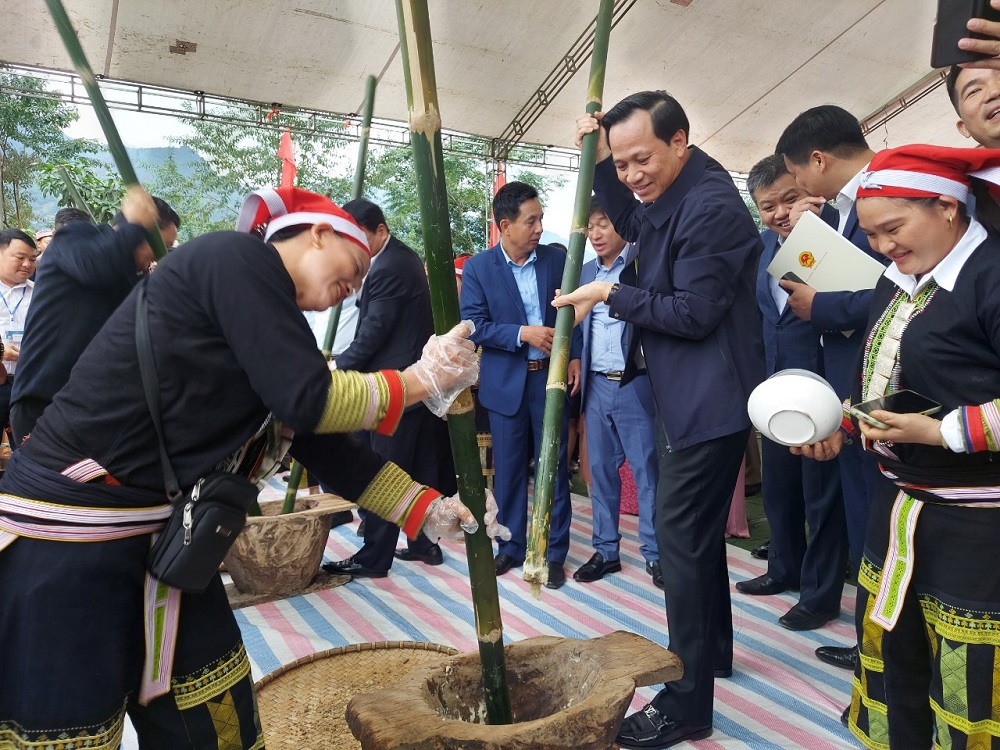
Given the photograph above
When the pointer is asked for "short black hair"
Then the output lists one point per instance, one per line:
(951, 85)
(9, 235)
(65, 215)
(366, 213)
(765, 173)
(595, 207)
(667, 114)
(166, 214)
(507, 202)
(826, 128)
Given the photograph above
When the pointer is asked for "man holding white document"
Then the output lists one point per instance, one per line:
(826, 151)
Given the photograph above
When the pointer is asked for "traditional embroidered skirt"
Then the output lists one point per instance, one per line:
(72, 649)
(935, 677)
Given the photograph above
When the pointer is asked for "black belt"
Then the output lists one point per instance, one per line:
(610, 375)
(537, 364)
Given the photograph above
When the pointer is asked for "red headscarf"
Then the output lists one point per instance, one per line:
(923, 171)
(268, 210)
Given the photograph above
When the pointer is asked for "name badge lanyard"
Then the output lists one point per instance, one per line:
(24, 291)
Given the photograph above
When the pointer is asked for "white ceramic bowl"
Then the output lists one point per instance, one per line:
(795, 407)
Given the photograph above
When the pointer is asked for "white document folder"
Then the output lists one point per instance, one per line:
(819, 256)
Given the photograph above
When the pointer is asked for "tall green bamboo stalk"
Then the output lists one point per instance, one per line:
(357, 190)
(425, 140)
(74, 194)
(536, 569)
(115, 145)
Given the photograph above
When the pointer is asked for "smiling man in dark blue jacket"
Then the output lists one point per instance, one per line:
(692, 302)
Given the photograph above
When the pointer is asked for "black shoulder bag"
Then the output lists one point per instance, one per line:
(207, 519)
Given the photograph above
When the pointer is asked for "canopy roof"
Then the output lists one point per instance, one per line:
(742, 69)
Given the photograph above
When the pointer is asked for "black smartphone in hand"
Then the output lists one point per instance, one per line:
(950, 26)
(900, 402)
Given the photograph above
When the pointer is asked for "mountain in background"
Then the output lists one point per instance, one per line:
(146, 162)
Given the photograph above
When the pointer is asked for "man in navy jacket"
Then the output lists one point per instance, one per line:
(798, 491)
(692, 302)
(507, 292)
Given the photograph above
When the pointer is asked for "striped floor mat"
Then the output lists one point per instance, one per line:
(780, 695)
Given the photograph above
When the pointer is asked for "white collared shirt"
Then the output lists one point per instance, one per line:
(847, 197)
(13, 314)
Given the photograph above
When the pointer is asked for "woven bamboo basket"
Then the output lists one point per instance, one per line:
(302, 704)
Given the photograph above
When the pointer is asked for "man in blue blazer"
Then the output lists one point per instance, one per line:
(825, 150)
(507, 292)
(798, 491)
(620, 416)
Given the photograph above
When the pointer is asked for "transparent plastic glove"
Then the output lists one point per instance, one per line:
(447, 366)
(448, 518)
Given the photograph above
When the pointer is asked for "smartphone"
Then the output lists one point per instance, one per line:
(900, 402)
(950, 26)
(791, 276)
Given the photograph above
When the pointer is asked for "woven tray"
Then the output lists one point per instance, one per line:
(302, 704)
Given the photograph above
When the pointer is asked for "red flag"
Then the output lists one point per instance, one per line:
(499, 181)
(287, 155)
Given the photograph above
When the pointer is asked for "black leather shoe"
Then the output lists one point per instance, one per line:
(340, 518)
(351, 567)
(650, 728)
(653, 568)
(837, 656)
(723, 674)
(361, 528)
(802, 618)
(845, 718)
(596, 568)
(760, 586)
(557, 576)
(432, 556)
(503, 563)
(760, 553)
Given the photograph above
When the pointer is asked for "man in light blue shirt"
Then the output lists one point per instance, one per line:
(619, 416)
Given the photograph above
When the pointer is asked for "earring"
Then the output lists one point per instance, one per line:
(951, 221)
(317, 246)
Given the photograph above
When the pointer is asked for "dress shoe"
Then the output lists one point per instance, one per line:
(502, 563)
(361, 528)
(845, 718)
(596, 568)
(351, 567)
(653, 568)
(723, 674)
(760, 553)
(803, 618)
(760, 586)
(340, 518)
(432, 556)
(557, 576)
(650, 728)
(837, 656)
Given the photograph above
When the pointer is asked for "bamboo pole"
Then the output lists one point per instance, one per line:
(425, 140)
(74, 194)
(115, 145)
(536, 569)
(357, 190)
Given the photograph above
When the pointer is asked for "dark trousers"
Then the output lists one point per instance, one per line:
(692, 503)
(799, 491)
(5, 389)
(420, 446)
(859, 478)
(512, 436)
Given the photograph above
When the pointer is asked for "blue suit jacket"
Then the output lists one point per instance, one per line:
(587, 274)
(490, 300)
(833, 312)
(789, 341)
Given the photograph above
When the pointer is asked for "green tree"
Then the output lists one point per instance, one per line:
(240, 157)
(30, 135)
(100, 189)
(391, 182)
